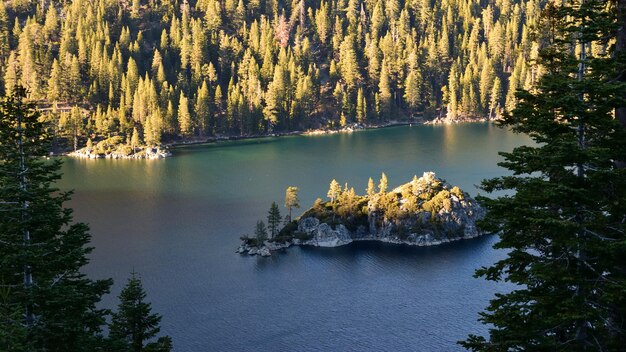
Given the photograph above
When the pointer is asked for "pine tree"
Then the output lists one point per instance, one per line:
(4, 33)
(42, 250)
(134, 324)
(361, 107)
(564, 222)
(11, 74)
(184, 116)
(452, 91)
(495, 98)
(202, 108)
(371, 189)
(273, 220)
(334, 190)
(382, 185)
(260, 232)
(291, 199)
(134, 140)
(54, 83)
(75, 84)
(412, 89)
(348, 63)
(384, 88)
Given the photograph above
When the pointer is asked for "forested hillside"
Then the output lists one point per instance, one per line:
(146, 72)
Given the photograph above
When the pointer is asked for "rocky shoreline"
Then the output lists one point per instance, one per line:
(269, 247)
(427, 212)
(163, 151)
(142, 153)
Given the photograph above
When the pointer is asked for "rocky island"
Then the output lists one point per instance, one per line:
(115, 148)
(423, 212)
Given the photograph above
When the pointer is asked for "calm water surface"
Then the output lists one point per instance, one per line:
(177, 222)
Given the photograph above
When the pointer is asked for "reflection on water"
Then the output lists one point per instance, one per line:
(177, 221)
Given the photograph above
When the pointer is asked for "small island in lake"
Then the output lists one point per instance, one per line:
(423, 212)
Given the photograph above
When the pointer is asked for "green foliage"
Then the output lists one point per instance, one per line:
(563, 225)
(209, 68)
(404, 208)
(382, 185)
(291, 199)
(108, 145)
(440, 201)
(334, 191)
(260, 232)
(287, 232)
(457, 192)
(134, 324)
(273, 220)
(46, 302)
(250, 241)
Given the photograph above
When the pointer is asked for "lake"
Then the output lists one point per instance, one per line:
(177, 222)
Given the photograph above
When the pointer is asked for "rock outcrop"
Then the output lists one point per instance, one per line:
(139, 153)
(424, 212)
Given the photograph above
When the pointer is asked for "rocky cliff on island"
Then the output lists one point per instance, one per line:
(423, 212)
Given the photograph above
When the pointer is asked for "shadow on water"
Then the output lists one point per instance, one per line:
(384, 253)
(382, 249)
(227, 144)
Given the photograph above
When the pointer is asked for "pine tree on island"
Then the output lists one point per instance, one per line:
(260, 233)
(291, 200)
(273, 220)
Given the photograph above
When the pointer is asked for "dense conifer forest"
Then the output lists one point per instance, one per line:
(146, 72)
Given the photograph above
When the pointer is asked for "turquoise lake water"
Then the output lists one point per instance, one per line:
(178, 221)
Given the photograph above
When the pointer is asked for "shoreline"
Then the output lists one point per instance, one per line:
(316, 132)
(321, 131)
(270, 247)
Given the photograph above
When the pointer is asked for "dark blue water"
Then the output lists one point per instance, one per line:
(177, 222)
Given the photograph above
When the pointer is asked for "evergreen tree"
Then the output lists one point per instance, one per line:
(334, 190)
(260, 232)
(184, 116)
(202, 108)
(134, 140)
(361, 107)
(564, 223)
(382, 185)
(4, 32)
(371, 189)
(134, 324)
(291, 199)
(273, 220)
(47, 302)
(412, 89)
(385, 91)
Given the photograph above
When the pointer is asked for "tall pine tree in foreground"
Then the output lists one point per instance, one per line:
(564, 224)
(46, 303)
(134, 324)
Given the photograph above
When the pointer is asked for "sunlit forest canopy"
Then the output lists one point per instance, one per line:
(163, 70)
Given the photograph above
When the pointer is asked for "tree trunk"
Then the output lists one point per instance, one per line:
(620, 51)
(28, 276)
